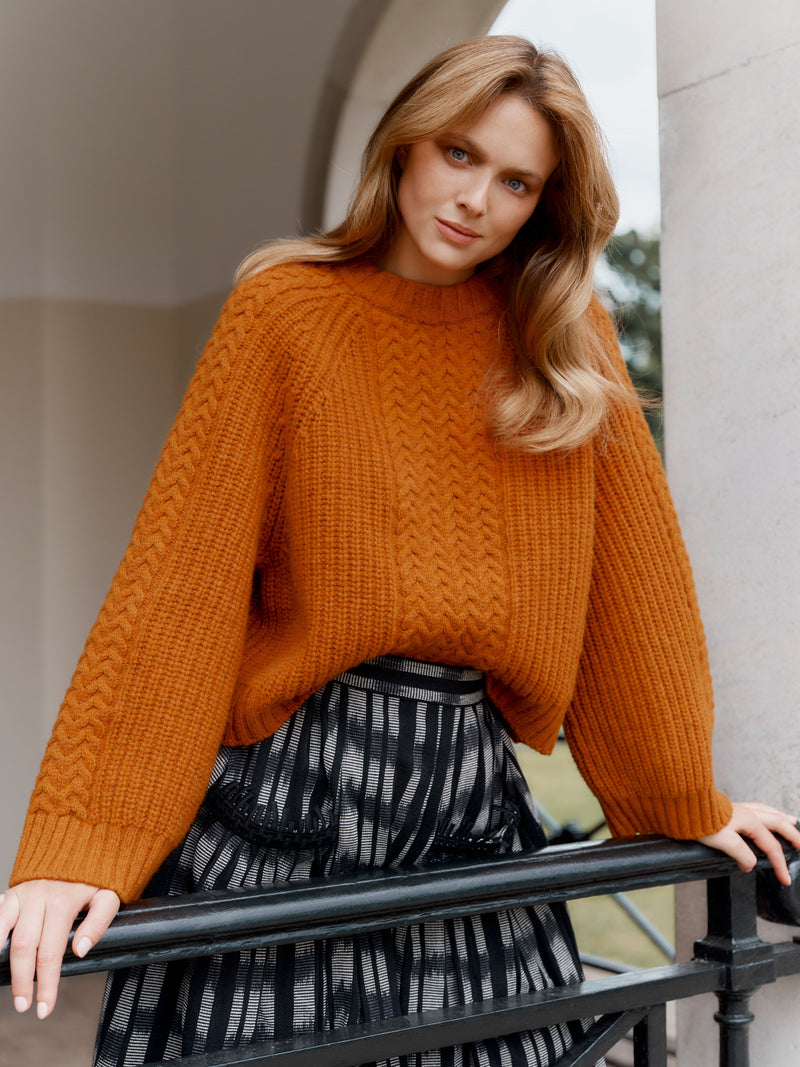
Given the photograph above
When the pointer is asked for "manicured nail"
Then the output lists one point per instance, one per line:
(20, 1004)
(83, 946)
(41, 1009)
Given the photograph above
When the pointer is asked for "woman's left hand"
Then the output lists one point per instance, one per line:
(760, 823)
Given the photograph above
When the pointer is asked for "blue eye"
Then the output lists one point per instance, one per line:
(515, 185)
(458, 154)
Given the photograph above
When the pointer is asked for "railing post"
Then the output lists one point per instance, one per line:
(734, 1018)
(650, 1039)
(733, 940)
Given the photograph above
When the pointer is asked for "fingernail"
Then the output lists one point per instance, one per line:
(41, 1009)
(83, 946)
(20, 1004)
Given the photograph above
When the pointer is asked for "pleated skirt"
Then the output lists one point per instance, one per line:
(394, 763)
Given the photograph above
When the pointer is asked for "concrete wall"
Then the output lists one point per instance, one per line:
(729, 82)
(147, 147)
(21, 537)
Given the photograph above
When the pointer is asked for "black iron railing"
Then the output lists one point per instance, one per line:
(731, 960)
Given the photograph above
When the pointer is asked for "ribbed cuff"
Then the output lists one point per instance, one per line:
(688, 817)
(122, 858)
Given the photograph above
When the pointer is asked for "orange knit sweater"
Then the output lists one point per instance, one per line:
(329, 493)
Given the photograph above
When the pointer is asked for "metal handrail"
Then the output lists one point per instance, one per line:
(730, 960)
(226, 920)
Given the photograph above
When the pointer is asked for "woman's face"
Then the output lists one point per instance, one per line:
(463, 196)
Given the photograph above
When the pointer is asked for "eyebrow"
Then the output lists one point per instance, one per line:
(476, 150)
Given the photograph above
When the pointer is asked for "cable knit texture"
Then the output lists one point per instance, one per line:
(329, 493)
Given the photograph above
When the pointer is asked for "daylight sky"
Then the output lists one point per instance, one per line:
(610, 45)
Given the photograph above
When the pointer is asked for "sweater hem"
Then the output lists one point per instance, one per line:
(686, 817)
(109, 856)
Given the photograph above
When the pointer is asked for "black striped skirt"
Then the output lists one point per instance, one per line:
(396, 762)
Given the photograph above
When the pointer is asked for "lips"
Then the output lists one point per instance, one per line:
(455, 232)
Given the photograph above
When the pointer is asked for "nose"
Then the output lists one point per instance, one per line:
(474, 196)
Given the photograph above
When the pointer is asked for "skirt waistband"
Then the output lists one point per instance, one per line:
(416, 679)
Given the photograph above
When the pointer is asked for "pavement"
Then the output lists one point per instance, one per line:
(65, 1039)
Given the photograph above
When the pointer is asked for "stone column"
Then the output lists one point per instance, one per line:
(729, 84)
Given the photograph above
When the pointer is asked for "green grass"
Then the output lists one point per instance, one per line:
(601, 926)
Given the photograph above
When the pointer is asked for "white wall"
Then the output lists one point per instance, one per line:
(87, 191)
(21, 536)
(148, 146)
(248, 83)
(729, 81)
(152, 144)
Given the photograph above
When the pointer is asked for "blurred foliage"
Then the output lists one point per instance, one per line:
(630, 276)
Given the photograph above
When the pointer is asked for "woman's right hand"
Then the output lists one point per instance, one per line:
(41, 913)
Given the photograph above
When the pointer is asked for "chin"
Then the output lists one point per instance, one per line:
(450, 272)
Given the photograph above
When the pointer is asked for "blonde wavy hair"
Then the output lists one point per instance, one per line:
(563, 383)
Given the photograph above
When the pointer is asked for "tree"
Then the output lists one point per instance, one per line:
(629, 275)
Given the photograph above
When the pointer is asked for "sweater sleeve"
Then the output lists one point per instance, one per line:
(136, 737)
(640, 722)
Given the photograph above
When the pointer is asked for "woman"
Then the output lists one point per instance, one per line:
(409, 508)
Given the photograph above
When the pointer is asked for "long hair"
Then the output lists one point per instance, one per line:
(562, 383)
